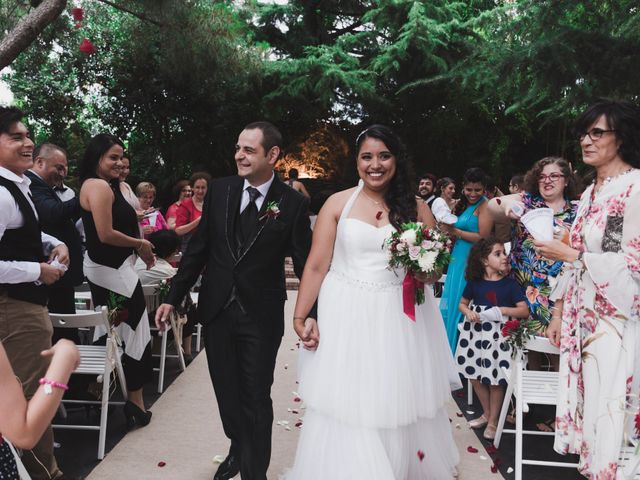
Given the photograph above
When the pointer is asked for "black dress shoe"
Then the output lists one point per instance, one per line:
(228, 469)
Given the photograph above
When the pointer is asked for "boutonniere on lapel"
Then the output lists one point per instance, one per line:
(272, 211)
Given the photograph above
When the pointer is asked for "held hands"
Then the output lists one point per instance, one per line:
(162, 316)
(65, 353)
(307, 331)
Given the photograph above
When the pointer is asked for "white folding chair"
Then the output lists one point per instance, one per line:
(153, 302)
(529, 387)
(96, 360)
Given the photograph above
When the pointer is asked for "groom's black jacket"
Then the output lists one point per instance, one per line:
(257, 271)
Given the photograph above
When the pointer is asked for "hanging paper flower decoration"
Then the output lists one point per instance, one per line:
(78, 14)
(87, 47)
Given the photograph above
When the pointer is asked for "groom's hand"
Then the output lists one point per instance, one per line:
(308, 332)
(162, 316)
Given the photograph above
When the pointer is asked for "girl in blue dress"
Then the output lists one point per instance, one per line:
(488, 299)
(474, 223)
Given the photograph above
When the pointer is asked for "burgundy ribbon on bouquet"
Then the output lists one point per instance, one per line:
(409, 287)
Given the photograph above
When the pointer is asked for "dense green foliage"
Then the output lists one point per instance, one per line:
(473, 82)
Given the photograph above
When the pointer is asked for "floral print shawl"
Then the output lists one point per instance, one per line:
(599, 373)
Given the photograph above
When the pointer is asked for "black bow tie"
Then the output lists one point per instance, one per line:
(60, 189)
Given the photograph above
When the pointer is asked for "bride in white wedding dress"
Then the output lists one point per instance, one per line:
(376, 386)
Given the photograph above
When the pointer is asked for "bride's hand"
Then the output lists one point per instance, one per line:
(428, 278)
(307, 331)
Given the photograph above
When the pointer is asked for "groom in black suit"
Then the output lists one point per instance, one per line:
(250, 223)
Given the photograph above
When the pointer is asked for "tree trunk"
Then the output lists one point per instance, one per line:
(28, 29)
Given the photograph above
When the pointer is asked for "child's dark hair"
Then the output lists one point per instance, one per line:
(479, 252)
(165, 242)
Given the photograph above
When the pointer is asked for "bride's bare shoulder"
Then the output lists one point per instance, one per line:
(336, 202)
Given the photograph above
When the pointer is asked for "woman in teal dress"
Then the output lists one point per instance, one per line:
(474, 223)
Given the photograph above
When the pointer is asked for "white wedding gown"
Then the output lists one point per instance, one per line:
(376, 388)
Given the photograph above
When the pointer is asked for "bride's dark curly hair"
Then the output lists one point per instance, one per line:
(399, 198)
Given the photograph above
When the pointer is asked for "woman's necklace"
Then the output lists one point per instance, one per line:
(610, 178)
(378, 204)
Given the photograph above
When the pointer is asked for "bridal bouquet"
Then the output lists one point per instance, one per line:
(419, 250)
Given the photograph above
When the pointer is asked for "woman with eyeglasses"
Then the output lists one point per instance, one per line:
(550, 183)
(596, 321)
(182, 190)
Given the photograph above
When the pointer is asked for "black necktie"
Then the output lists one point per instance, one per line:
(249, 216)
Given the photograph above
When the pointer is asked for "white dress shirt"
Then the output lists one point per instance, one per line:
(263, 189)
(64, 193)
(442, 212)
(11, 218)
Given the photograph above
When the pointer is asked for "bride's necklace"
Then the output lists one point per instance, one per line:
(378, 204)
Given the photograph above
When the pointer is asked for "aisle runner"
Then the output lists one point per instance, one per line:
(185, 433)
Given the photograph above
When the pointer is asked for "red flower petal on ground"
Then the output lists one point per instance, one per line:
(471, 449)
(638, 423)
(459, 414)
(491, 449)
(161, 464)
(78, 14)
(494, 468)
(87, 47)
(297, 399)
(420, 455)
(298, 424)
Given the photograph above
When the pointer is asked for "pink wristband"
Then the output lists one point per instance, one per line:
(50, 384)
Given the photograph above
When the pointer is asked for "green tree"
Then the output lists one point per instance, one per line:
(177, 83)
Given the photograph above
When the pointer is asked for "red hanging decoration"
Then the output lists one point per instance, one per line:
(78, 14)
(87, 47)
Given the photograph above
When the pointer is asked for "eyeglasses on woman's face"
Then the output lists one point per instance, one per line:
(552, 177)
(595, 134)
(188, 191)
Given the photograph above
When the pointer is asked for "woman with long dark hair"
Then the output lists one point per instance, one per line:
(473, 224)
(113, 243)
(377, 384)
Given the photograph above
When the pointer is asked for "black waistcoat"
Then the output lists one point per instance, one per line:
(23, 244)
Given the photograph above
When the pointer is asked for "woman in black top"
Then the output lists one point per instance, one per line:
(112, 234)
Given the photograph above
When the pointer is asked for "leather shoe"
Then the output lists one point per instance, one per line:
(228, 469)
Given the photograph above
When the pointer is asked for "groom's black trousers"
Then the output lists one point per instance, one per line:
(241, 352)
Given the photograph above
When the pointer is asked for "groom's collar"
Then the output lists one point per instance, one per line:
(263, 189)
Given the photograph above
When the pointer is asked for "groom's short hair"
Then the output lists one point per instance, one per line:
(271, 136)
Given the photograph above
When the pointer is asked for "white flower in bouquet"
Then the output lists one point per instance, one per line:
(409, 236)
(428, 260)
(401, 247)
(414, 252)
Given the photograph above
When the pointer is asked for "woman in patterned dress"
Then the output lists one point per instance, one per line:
(595, 321)
(550, 183)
